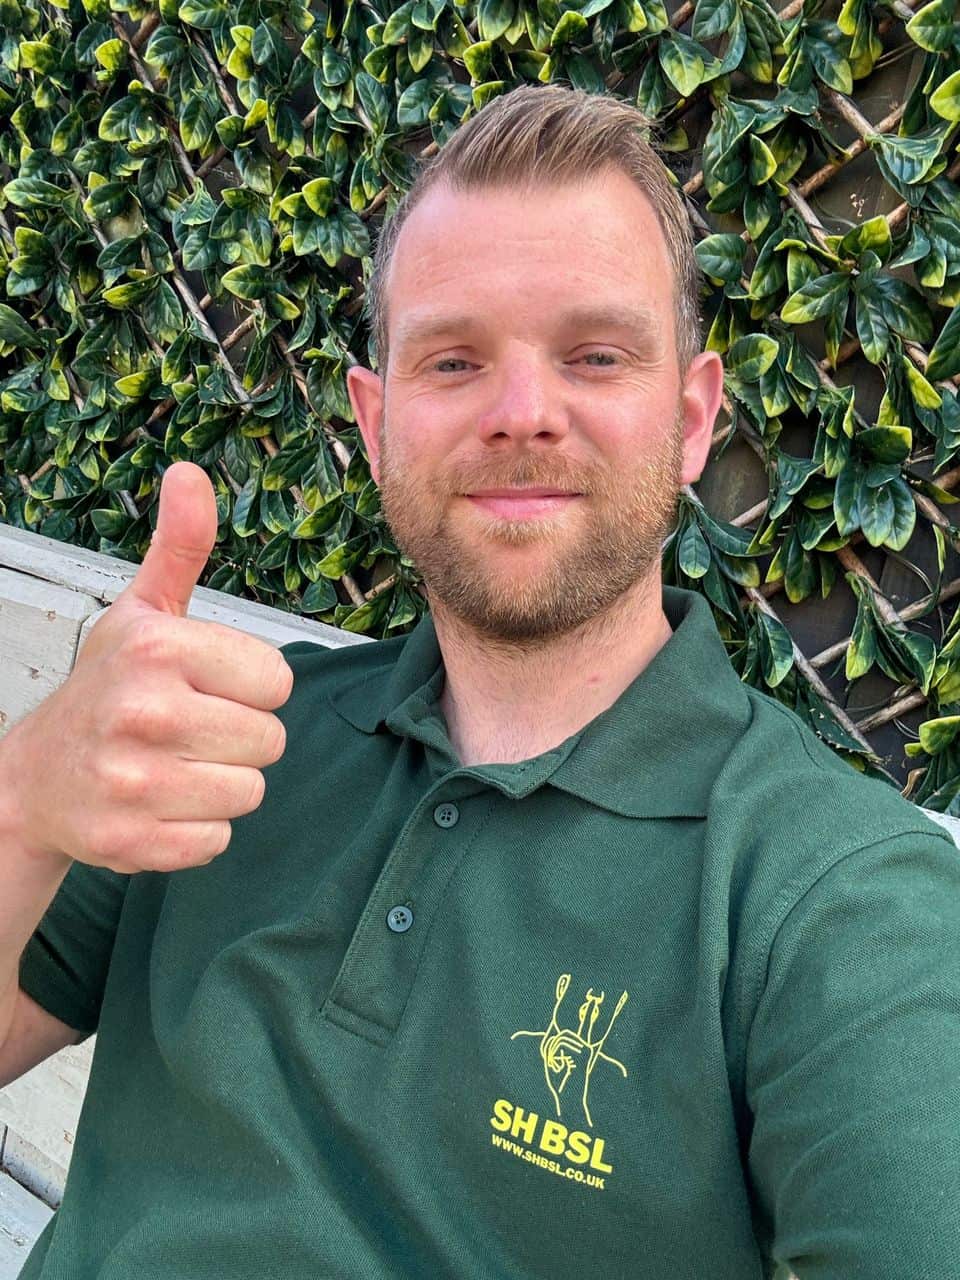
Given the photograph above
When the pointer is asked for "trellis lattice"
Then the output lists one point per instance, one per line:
(188, 197)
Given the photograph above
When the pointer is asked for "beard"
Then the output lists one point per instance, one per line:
(588, 557)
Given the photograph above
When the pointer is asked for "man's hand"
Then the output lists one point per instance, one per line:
(156, 739)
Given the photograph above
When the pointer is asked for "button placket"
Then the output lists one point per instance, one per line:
(373, 985)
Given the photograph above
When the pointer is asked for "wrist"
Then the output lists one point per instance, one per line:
(15, 834)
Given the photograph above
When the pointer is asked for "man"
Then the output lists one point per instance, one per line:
(550, 948)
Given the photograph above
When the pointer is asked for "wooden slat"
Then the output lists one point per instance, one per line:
(41, 1110)
(104, 577)
(39, 630)
(22, 1218)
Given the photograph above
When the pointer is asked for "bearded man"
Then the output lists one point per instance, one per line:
(551, 949)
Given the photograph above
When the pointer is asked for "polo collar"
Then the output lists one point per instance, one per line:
(654, 753)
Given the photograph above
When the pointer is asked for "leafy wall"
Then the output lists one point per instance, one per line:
(187, 202)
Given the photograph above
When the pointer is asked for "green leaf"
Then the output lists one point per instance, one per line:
(799, 569)
(319, 597)
(924, 395)
(721, 256)
(369, 615)
(682, 61)
(862, 648)
(886, 444)
(945, 99)
(846, 500)
(873, 234)
(131, 294)
(204, 14)
(909, 159)
(413, 105)
(494, 17)
(933, 27)
(248, 281)
(28, 193)
(196, 123)
(14, 330)
(763, 163)
(344, 557)
(904, 514)
(776, 649)
(693, 553)
(871, 326)
(373, 99)
(319, 195)
(876, 514)
(944, 359)
(816, 298)
(936, 735)
(752, 355)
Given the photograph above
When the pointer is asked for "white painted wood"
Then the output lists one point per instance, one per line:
(42, 1108)
(951, 825)
(39, 629)
(39, 1174)
(22, 1218)
(104, 577)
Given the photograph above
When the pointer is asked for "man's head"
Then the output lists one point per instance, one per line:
(535, 305)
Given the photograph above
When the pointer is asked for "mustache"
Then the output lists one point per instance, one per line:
(526, 472)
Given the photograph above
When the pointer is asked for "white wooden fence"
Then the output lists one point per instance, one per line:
(51, 594)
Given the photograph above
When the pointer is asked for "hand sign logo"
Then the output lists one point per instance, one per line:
(564, 1050)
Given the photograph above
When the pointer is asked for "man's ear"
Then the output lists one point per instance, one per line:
(701, 395)
(365, 389)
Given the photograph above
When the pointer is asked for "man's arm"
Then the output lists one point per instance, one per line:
(853, 1070)
(32, 1037)
(29, 880)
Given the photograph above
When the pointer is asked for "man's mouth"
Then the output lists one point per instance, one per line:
(522, 503)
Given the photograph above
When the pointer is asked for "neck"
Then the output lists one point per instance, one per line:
(504, 702)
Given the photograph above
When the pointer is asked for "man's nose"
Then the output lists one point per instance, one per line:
(527, 404)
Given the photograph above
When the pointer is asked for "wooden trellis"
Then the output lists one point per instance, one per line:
(876, 732)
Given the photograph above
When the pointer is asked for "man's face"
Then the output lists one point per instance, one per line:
(532, 353)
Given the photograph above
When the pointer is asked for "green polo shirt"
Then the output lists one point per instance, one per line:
(676, 1000)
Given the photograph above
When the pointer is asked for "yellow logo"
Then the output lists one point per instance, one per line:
(563, 1049)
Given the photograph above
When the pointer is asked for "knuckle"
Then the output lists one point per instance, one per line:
(122, 780)
(149, 642)
(138, 716)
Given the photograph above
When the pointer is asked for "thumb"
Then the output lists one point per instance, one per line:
(182, 541)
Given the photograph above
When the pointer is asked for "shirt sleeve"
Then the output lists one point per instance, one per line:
(64, 964)
(853, 1070)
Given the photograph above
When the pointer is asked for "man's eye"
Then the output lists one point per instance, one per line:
(606, 356)
(448, 360)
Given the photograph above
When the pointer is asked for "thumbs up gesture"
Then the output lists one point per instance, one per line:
(157, 738)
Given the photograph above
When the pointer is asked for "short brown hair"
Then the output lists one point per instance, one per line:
(536, 136)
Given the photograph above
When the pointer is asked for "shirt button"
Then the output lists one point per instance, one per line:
(446, 815)
(399, 919)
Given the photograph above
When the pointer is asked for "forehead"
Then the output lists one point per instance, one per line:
(507, 252)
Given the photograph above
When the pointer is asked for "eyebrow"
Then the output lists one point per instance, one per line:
(639, 321)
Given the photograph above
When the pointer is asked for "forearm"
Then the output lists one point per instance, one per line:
(29, 879)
